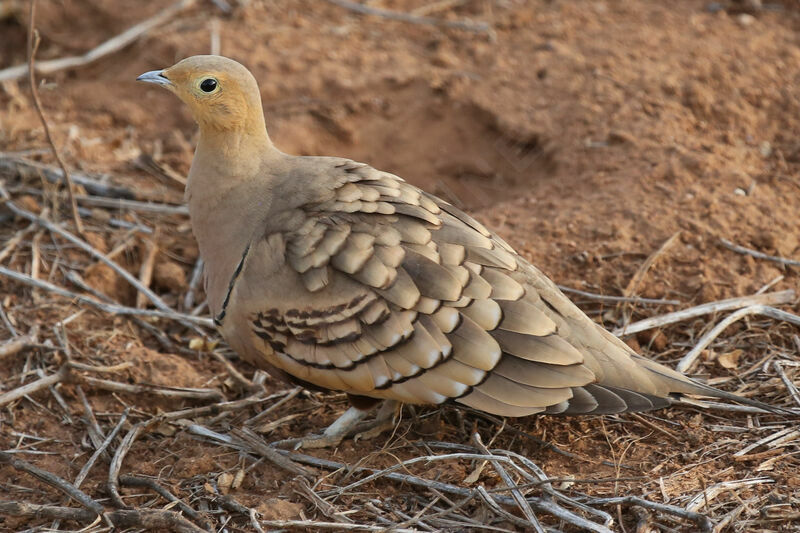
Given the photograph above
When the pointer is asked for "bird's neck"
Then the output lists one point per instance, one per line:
(236, 151)
(227, 194)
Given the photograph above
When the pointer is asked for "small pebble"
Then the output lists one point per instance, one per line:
(745, 19)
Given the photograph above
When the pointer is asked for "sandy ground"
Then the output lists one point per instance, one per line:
(587, 134)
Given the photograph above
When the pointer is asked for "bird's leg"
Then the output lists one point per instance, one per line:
(348, 424)
(333, 434)
(384, 420)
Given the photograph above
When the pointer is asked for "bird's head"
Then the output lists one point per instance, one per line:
(221, 93)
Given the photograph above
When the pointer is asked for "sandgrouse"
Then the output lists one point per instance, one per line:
(337, 275)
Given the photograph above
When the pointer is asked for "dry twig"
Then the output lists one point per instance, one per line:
(114, 309)
(197, 275)
(95, 433)
(17, 344)
(134, 481)
(110, 46)
(34, 386)
(702, 521)
(515, 492)
(786, 381)
(133, 205)
(213, 395)
(235, 374)
(33, 45)
(94, 184)
(215, 409)
(51, 512)
(434, 7)
(704, 498)
(636, 280)
(13, 242)
(53, 480)
(617, 299)
(100, 450)
(477, 27)
(539, 504)
(156, 332)
(148, 264)
(770, 298)
(116, 464)
(689, 359)
(758, 255)
(153, 297)
(288, 396)
(150, 519)
(249, 440)
(310, 525)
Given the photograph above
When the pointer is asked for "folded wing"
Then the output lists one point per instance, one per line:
(382, 290)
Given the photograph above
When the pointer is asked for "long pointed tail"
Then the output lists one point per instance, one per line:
(681, 384)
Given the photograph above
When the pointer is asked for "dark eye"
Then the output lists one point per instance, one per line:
(208, 85)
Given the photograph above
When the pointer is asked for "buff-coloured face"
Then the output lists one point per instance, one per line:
(214, 88)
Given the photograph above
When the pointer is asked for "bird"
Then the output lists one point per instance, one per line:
(335, 275)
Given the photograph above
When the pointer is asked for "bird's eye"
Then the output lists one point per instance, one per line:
(208, 85)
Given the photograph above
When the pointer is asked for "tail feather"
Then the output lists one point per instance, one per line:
(680, 385)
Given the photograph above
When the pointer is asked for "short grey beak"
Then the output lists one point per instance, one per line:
(155, 76)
